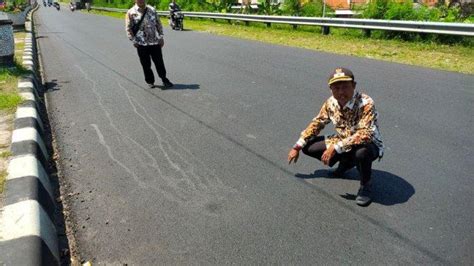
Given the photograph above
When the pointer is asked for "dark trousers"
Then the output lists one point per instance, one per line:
(360, 156)
(148, 53)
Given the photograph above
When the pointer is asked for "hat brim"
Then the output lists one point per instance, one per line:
(343, 78)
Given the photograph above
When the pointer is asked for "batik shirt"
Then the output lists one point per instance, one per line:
(355, 124)
(150, 31)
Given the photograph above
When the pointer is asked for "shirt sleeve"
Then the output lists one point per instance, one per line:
(364, 130)
(128, 27)
(315, 126)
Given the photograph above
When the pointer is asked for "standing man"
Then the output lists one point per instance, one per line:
(144, 29)
(357, 142)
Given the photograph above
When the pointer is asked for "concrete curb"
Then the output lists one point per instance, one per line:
(27, 225)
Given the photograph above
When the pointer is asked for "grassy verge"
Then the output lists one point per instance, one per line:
(106, 13)
(9, 97)
(5, 154)
(3, 176)
(455, 57)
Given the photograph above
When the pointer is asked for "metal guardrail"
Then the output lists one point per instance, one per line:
(462, 29)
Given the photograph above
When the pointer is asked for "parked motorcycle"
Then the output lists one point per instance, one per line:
(72, 6)
(56, 5)
(176, 20)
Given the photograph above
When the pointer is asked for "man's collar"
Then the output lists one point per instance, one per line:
(349, 104)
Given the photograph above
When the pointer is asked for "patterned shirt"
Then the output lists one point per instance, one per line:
(150, 31)
(355, 123)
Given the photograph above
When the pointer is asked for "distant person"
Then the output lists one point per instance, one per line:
(357, 141)
(88, 5)
(173, 8)
(144, 29)
(72, 6)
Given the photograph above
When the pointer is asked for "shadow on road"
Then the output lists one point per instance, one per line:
(186, 30)
(52, 32)
(388, 189)
(52, 85)
(182, 87)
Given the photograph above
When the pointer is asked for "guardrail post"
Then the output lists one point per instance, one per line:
(325, 30)
(7, 42)
(247, 23)
(230, 21)
(424, 36)
(294, 26)
(269, 24)
(367, 33)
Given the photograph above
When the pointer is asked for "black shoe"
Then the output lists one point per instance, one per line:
(167, 83)
(364, 196)
(151, 85)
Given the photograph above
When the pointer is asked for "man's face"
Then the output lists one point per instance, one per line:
(343, 91)
(140, 3)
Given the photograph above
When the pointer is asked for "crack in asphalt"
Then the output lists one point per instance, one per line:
(181, 189)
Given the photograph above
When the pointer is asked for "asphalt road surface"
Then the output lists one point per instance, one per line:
(198, 174)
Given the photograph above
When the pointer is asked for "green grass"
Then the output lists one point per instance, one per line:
(5, 154)
(106, 13)
(9, 77)
(9, 101)
(455, 57)
(9, 97)
(3, 176)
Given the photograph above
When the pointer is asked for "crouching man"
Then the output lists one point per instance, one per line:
(357, 142)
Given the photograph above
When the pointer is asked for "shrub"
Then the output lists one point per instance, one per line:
(220, 5)
(313, 8)
(292, 7)
(15, 6)
(406, 10)
(266, 7)
(376, 9)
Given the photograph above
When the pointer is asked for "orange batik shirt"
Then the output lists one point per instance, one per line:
(355, 124)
